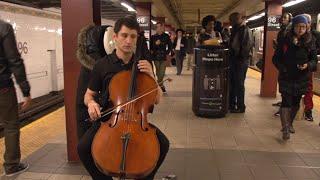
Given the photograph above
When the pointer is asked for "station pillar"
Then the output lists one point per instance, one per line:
(75, 15)
(144, 17)
(269, 78)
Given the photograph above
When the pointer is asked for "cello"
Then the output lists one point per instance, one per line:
(126, 146)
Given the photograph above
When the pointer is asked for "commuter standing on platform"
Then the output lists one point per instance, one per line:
(11, 63)
(179, 45)
(208, 30)
(295, 57)
(308, 101)
(240, 46)
(284, 28)
(160, 47)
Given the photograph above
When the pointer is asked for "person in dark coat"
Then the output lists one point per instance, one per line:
(308, 101)
(11, 63)
(241, 43)
(90, 49)
(179, 46)
(284, 28)
(160, 48)
(295, 57)
(191, 43)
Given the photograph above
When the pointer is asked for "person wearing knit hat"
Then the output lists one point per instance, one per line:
(300, 19)
(308, 101)
(295, 57)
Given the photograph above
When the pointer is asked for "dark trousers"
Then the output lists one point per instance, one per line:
(179, 61)
(160, 70)
(84, 151)
(290, 101)
(82, 115)
(238, 72)
(11, 127)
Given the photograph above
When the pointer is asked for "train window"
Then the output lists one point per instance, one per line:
(261, 39)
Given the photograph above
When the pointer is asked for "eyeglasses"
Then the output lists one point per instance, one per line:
(300, 27)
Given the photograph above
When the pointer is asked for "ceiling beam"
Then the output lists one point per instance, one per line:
(228, 9)
(172, 11)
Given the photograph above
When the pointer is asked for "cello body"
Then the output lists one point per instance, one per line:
(127, 146)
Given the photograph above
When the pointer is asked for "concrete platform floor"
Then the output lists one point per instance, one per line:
(237, 147)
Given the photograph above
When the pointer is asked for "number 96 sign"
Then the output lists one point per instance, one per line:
(272, 20)
(23, 47)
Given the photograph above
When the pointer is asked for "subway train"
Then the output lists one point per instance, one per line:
(39, 40)
(258, 35)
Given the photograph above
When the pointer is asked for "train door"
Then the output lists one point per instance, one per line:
(54, 70)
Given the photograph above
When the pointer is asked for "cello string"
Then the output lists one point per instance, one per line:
(145, 93)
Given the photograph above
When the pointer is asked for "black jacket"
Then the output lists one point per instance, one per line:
(90, 49)
(191, 44)
(287, 56)
(183, 49)
(241, 43)
(160, 51)
(11, 61)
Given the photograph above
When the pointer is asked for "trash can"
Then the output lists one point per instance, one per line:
(210, 85)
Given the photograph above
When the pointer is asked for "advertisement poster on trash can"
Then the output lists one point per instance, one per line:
(212, 57)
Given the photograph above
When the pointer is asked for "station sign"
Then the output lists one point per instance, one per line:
(274, 22)
(144, 22)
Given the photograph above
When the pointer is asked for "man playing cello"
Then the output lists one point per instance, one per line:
(126, 33)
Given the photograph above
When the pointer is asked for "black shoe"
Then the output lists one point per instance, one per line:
(163, 89)
(16, 169)
(277, 113)
(277, 104)
(240, 110)
(308, 115)
(286, 133)
(170, 177)
(291, 129)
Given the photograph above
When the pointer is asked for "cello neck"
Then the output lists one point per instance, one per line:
(133, 82)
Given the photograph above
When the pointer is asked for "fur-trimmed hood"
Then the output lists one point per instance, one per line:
(84, 59)
(91, 45)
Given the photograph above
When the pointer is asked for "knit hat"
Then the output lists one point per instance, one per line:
(299, 19)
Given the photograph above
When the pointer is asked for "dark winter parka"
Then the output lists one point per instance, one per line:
(288, 55)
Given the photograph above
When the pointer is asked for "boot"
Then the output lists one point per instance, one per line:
(285, 118)
(294, 111)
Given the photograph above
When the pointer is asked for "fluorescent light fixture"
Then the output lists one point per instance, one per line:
(256, 16)
(154, 22)
(291, 3)
(128, 7)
